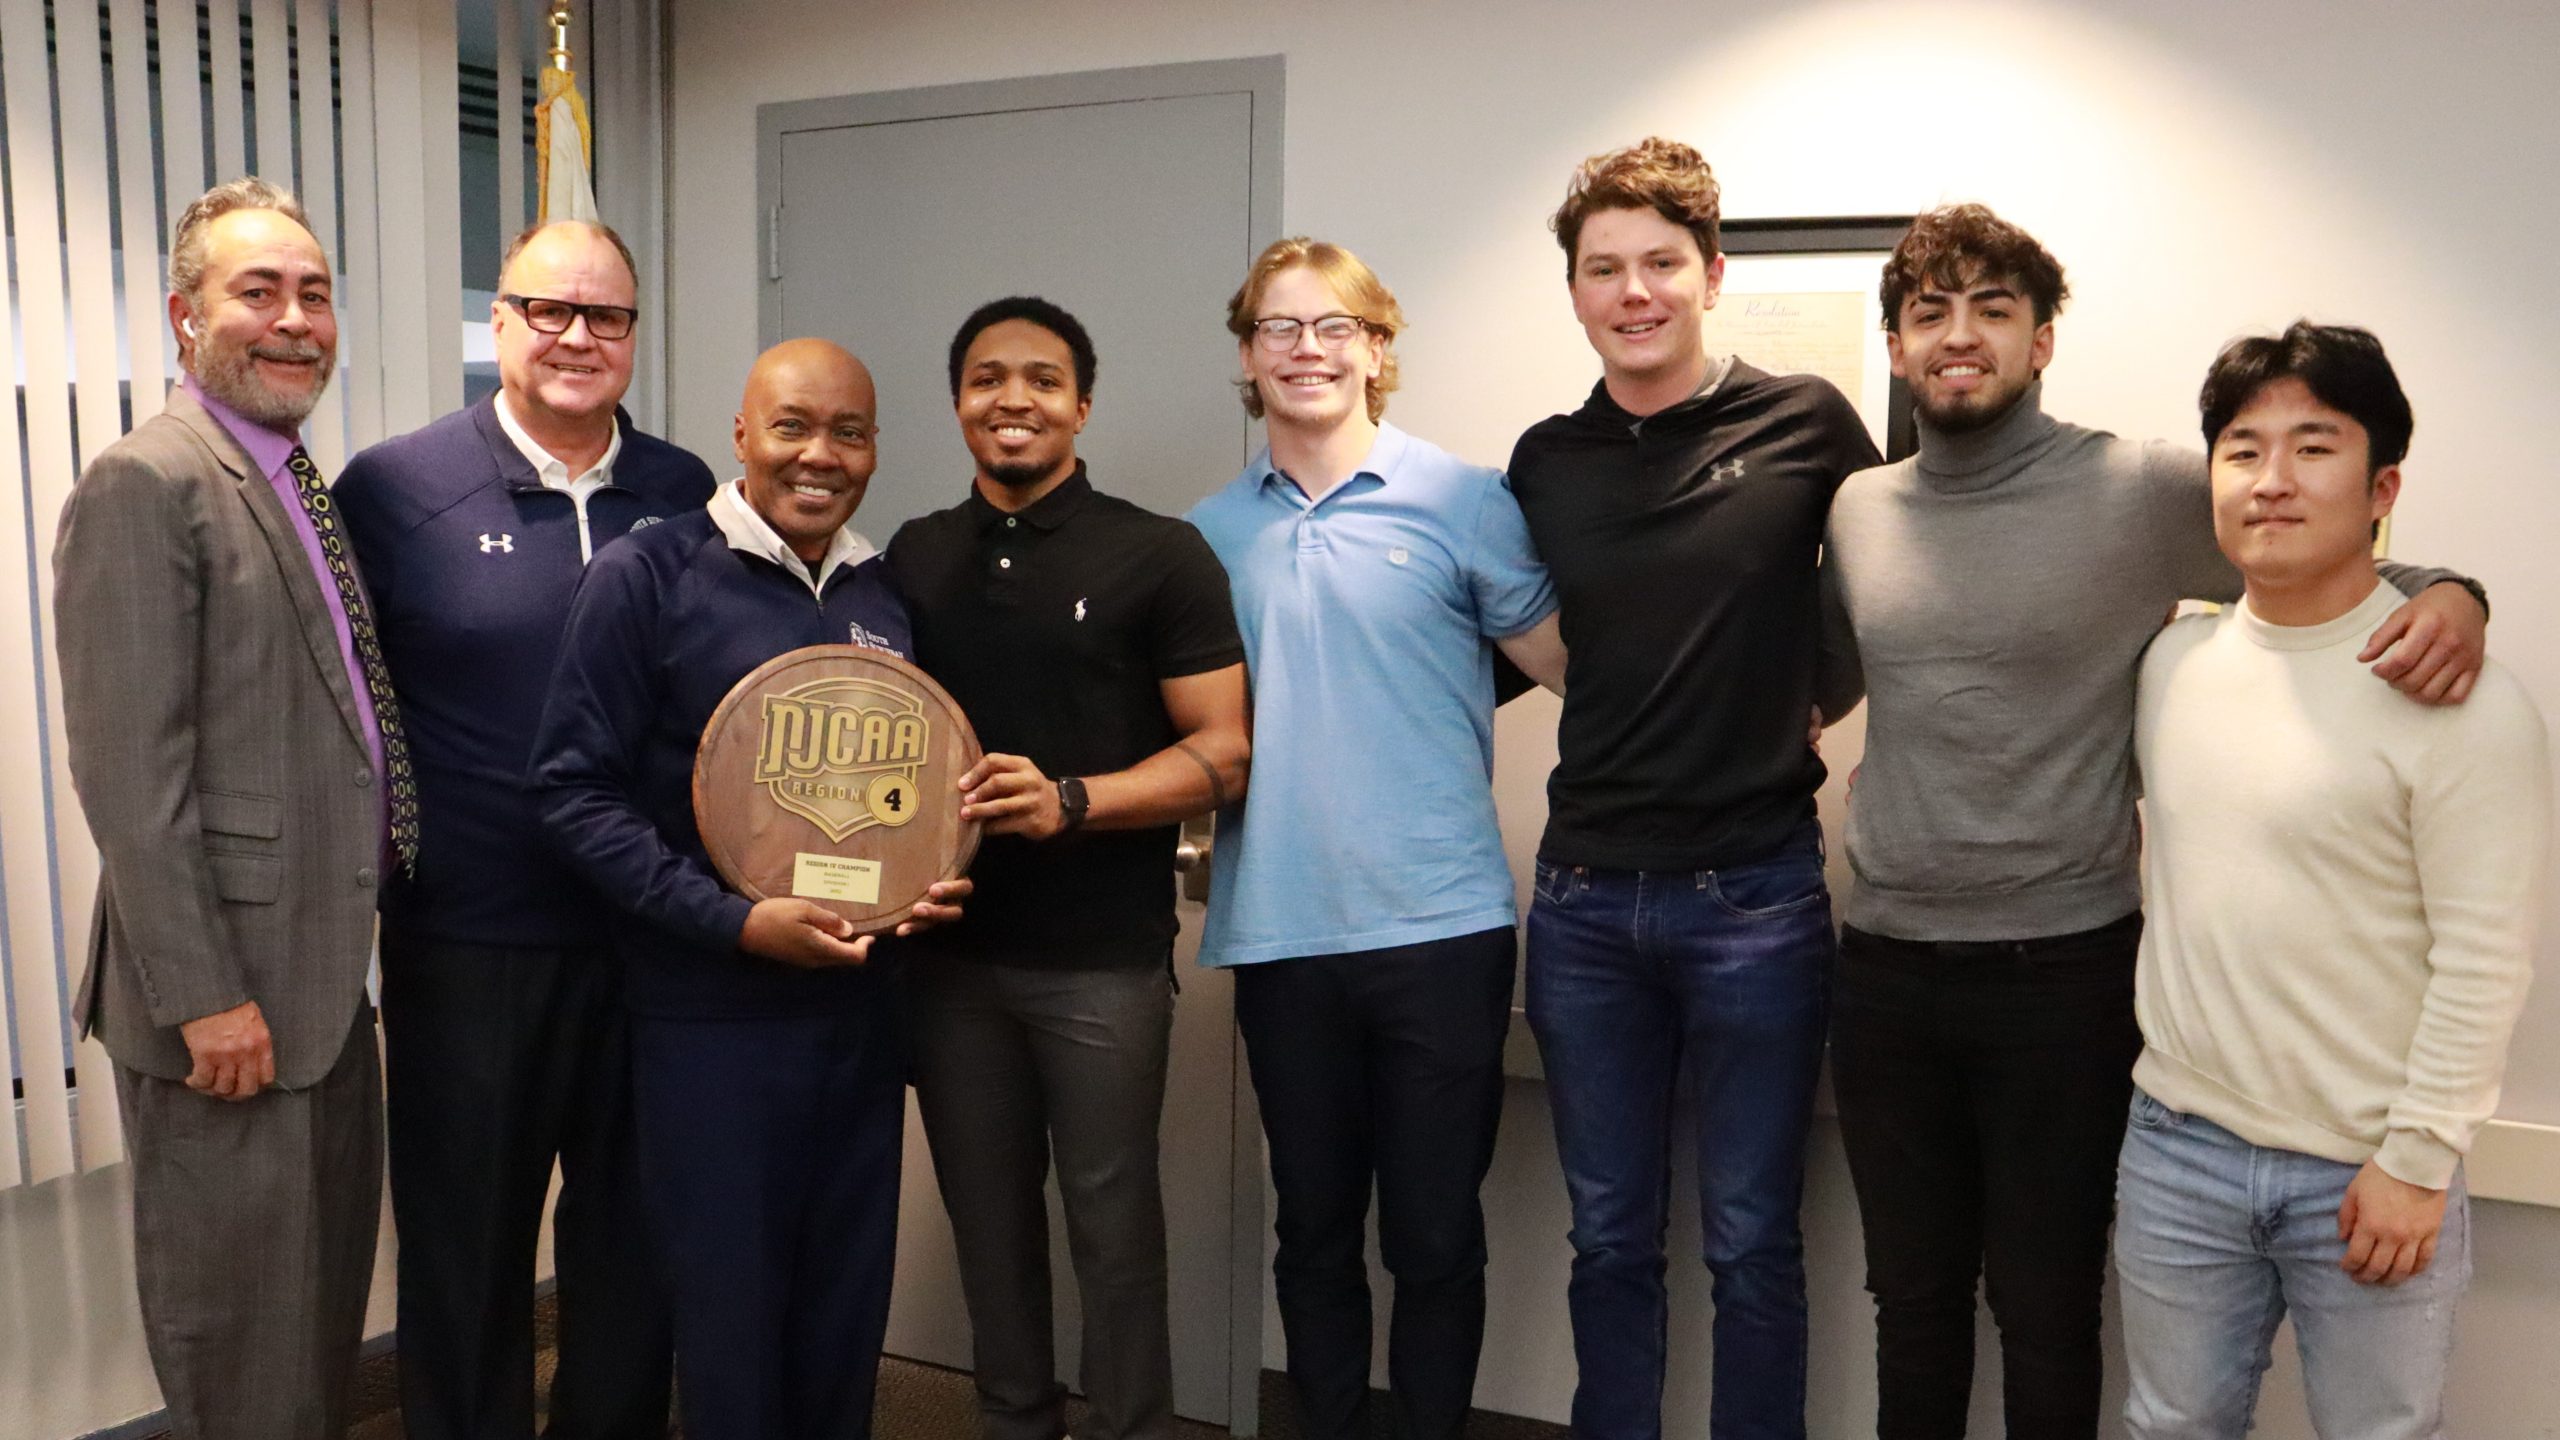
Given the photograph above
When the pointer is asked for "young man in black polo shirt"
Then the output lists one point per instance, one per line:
(1092, 646)
(1681, 921)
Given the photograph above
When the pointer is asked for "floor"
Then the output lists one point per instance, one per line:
(71, 1357)
(72, 1365)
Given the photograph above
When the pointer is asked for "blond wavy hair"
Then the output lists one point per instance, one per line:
(1358, 287)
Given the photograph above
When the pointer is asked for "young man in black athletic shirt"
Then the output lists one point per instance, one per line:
(1681, 920)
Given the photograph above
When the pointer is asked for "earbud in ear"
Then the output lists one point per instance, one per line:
(187, 328)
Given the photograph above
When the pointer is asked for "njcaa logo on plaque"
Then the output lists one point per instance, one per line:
(843, 754)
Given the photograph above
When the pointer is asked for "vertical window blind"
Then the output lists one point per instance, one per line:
(117, 113)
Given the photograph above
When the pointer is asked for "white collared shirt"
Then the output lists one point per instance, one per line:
(554, 474)
(746, 530)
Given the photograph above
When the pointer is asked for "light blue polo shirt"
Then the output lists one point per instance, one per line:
(1367, 618)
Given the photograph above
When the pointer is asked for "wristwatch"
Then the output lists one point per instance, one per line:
(1072, 803)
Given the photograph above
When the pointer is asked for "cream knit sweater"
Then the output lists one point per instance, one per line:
(2342, 887)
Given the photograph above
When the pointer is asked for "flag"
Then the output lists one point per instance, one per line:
(560, 142)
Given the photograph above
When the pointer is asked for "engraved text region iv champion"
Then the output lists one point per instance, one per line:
(830, 774)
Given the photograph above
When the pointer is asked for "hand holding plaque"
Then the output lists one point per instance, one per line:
(829, 774)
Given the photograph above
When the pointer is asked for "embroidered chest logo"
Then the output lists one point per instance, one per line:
(872, 639)
(843, 753)
(490, 543)
(1080, 612)
(1729, 470)
(646, 521)
(1399, 555)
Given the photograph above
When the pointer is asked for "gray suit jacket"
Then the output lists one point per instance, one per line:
(217, 748)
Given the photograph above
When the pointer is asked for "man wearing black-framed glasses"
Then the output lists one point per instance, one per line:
(502, 1008)
(555, 317)
(1374, 574)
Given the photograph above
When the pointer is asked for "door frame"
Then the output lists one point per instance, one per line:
(1260, 79)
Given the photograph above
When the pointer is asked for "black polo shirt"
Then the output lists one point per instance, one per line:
(1054, 628)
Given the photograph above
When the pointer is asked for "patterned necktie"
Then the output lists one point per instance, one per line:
(402, 783)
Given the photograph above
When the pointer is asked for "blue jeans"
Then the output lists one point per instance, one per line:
(1637, 979)
(2218, 1239)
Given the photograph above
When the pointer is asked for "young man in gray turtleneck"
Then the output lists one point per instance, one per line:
(2002, 584)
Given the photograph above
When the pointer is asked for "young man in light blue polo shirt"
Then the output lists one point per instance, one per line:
(1361, 892)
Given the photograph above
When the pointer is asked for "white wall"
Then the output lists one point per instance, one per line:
(2201, 168)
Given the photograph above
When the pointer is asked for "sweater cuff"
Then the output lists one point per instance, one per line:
(2414, 1157)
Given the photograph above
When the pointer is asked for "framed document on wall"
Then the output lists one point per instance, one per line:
(1800, 296)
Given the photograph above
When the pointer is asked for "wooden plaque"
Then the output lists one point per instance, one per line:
(831, 774)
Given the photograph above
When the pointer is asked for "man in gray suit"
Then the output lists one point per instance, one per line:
(235, 745)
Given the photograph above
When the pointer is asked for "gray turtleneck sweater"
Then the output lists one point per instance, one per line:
(2003, 584)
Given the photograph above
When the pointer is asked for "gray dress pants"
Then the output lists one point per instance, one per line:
(1015, 1064)
(253, 1235)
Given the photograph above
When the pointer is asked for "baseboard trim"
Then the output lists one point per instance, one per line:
(2517, 1162)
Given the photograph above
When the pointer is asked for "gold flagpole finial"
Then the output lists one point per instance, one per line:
(560, 35)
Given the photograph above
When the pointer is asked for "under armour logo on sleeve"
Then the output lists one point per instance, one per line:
(1730, 470)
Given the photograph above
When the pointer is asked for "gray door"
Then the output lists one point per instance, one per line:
(1130, 198)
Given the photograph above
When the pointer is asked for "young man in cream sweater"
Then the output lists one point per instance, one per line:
(2342, 888)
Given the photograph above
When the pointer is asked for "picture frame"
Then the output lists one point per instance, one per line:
(1800, 295)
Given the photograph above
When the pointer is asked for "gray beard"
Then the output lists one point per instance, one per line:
(231, 377)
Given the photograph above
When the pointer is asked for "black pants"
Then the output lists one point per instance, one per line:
(769, 1156)
(1982, 1090)
(1384, 1066)
(499, 1060)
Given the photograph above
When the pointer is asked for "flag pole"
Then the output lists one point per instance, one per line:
(563, 143)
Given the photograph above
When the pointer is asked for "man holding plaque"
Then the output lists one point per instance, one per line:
(1092, 645)
(768, 1058)
(1362, 896)
(505, 1045)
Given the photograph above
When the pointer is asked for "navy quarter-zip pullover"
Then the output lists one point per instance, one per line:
(665, 625)
(471, 561)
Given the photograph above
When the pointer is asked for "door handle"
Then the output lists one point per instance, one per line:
(1191, 862)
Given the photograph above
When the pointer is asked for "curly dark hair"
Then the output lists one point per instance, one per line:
(1955, 246)
(1671, 179)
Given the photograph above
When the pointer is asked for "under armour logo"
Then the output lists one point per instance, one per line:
(1079, 611)
(1730, 470)
(503, 542)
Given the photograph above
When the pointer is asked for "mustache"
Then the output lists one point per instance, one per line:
(303, 353)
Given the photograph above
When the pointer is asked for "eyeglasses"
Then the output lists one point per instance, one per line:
(1280, 332)
(554, 317)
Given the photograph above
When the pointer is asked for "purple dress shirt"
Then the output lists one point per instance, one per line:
(269, 451)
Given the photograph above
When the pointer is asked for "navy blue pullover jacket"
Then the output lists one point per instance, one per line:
(665, 625)
(471, 563)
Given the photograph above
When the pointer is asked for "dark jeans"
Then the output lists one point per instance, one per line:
(501, 1059)
(1982, 1090)
(769, 1152)
(1381, 1066)
(1638, 979)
